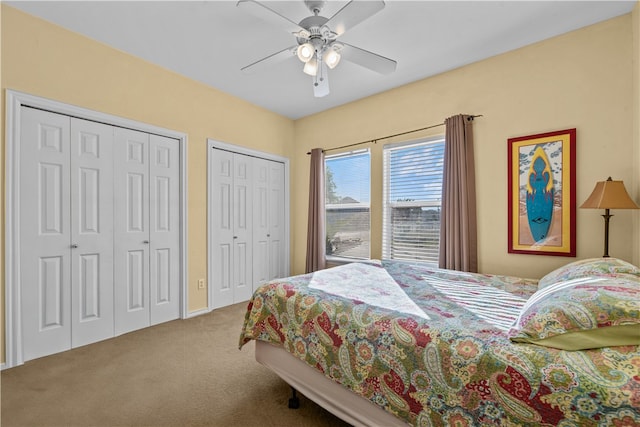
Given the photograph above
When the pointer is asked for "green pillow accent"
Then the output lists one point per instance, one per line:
(591, 338)
(582, 313)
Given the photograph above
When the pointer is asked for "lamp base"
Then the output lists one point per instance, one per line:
(606, 217)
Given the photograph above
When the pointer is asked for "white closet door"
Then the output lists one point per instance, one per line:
(222, 228)
(91, 232)
(277, 262)
(232, 225)
(164, 224)
(131, 237)
(268, 221)
(45, 233)
(242, 227)
(260, 222)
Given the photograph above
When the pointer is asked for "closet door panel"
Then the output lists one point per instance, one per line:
(91, 175)
(45, 233)
(221, 261)
(242, 227)
(260, 222)
(131, 236)
(277, 245)
(164, 216)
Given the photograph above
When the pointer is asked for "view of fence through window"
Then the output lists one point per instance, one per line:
(347, 204)
(412, 187)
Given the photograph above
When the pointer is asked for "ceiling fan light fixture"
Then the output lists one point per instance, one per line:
(311, 67)
(331, 58)
(305, 52)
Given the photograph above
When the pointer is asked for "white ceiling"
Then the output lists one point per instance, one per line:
(209, 41)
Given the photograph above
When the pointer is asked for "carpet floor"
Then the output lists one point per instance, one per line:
(180, 373)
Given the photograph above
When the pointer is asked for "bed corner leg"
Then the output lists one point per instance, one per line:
(294, 402)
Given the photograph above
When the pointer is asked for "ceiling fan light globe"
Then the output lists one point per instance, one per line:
(331, 58)
(311, 67)
(305, 52)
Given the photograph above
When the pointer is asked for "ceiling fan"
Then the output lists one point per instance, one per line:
(316, 36)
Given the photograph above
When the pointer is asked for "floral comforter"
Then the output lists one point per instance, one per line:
(430, 346)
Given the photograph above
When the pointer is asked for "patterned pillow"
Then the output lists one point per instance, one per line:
(592, 267)
(582, 313)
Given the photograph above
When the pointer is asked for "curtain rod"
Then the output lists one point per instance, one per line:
(375, 141)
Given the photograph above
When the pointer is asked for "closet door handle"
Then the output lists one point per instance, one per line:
(146, 242)
(74, 245)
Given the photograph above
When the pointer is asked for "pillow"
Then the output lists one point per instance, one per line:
(592, 267)
(581, 313)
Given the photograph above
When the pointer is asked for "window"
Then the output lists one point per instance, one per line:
(347, 183)
(412, 192)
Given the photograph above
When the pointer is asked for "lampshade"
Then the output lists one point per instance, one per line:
(311, 67)
(305, 52)
(609, 194)
(331, 58)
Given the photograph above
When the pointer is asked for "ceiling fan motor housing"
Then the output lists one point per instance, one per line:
(318, 33)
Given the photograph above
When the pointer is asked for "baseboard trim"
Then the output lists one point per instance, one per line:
(197, 313)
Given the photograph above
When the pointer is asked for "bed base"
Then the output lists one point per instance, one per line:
(332, 396)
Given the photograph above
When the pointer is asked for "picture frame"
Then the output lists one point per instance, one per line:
(541, 194)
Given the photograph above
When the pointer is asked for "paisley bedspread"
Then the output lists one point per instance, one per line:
(430, 346)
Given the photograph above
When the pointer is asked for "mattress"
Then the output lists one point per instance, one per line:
(433, 347)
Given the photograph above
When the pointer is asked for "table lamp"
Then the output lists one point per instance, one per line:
(607, 195)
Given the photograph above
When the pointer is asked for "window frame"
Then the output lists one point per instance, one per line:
(340, 259)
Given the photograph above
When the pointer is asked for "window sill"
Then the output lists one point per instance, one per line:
(334, 261)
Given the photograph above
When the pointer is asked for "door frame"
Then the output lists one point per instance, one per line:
(211, 144)
(12, 288)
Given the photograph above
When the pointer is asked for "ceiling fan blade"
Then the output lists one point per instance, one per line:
(261, 11)
(263, 63)
(321, 82)
(352, 14)
(368, 59)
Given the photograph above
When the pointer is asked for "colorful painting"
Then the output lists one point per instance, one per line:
(541, 185)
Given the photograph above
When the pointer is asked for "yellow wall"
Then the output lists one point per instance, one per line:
(45, 60)
(582, 79)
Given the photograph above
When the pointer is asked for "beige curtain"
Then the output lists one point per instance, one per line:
(315, 226)
(458, 230)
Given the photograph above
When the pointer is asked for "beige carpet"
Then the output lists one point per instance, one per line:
(181, 373)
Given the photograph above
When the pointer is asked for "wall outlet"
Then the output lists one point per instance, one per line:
(200, 283)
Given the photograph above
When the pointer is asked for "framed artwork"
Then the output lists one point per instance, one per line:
(542, 196)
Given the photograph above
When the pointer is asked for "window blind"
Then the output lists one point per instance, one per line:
(412, 191)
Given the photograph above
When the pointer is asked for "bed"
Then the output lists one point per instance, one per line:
(393, 343)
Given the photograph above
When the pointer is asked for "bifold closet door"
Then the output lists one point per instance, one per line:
(45, 235)
(131, 237)
(261, 215)
(231, 219)
(65, 232)
(242, 227)
(277, 262)
(268, 218)
(147, 247)
(164, 227)
(91, 232)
